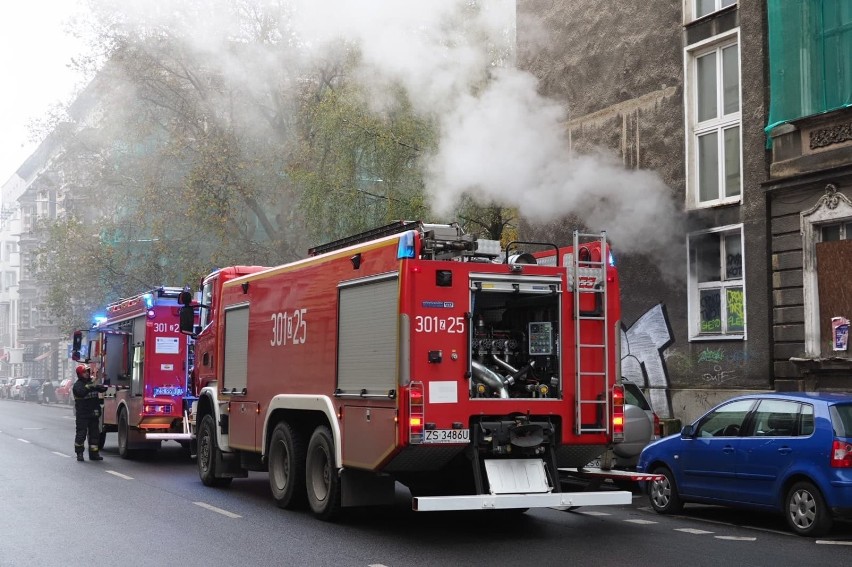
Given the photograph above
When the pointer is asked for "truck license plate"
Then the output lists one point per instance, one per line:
(447, 436)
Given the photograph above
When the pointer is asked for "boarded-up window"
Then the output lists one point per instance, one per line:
(834, 276)
(369, 337)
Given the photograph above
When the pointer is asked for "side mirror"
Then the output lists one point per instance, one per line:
(76, 345)
(187, 319)
(688, 432)
(185, 297)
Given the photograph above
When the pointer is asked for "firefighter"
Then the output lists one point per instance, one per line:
(87, 407)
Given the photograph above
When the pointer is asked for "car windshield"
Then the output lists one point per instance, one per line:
(841, 419)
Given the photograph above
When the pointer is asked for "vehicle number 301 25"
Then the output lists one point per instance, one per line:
(436, 324)
(289, 328)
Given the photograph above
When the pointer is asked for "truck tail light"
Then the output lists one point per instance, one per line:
(841, 455)
(617, 414)
(415, 413)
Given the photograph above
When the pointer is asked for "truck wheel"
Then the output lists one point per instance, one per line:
(322, 480)
(123, 435)
(207, 450)
(806, 512)
(287, 467)
(663, 493)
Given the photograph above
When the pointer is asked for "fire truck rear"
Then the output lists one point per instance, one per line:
(413, 353)
(138, 351)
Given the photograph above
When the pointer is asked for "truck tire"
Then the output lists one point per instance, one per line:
(287, 467)
(123, 435)
(322, 480)
(207, 450)
(806, 511)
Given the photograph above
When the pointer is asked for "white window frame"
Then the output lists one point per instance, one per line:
(693, 129)
(694, 288)
(690, 9)
(832, 208)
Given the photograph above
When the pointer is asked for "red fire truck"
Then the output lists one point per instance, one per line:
(412, 353)
(137, 350)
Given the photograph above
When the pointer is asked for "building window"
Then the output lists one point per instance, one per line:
(826, 250)
(838, 231)
(717, 290)
(701, 8)
(714, 142)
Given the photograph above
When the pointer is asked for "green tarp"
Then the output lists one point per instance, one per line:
(810, 58)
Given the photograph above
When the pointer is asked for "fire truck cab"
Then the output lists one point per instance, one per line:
(412, 353)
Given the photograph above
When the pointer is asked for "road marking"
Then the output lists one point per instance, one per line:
(119, 475)
(735, 538)
(832, 542)
(692, 531)
(641, 522)
(22, 440)
(593, 513)
(32, 428)
(61, 454)
(217, 510)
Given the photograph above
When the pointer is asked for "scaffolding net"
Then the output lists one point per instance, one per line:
(810, 58)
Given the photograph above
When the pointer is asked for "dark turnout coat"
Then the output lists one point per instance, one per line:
(87, 403)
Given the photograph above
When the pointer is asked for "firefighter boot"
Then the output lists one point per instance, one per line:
(80, 457)
(93, 455)
(79, 450)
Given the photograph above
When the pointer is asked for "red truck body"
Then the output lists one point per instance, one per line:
(423, 357)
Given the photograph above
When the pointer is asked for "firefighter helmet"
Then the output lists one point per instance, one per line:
(81, 370)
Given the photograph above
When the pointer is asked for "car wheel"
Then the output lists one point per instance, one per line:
(663, 493)
(287, 467)
(807, 514)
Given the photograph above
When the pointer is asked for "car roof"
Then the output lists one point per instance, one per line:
(828, 397)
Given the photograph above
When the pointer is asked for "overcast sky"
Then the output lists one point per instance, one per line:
(35, 52)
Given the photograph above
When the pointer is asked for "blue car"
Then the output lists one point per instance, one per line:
(785, 452)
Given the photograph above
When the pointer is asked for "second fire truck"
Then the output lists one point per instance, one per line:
(138, 351)
(413, 353)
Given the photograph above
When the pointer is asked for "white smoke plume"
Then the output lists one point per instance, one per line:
(500, 140)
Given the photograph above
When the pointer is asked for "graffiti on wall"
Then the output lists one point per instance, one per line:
(642, 360)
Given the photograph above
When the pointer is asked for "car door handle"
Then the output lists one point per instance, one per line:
(727, 449)
(785, 450)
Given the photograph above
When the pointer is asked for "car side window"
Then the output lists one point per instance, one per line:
(725, 421)
(777, 418)
(806, 424)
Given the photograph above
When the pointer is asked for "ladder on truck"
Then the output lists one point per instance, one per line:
(588, 276)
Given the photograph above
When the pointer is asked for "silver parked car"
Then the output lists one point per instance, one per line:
(641, 427)
(17, 390)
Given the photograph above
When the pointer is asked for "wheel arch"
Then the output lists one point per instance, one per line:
(788, 484)
(305, 413)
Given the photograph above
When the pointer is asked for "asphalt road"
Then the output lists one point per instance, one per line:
(155, 512)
